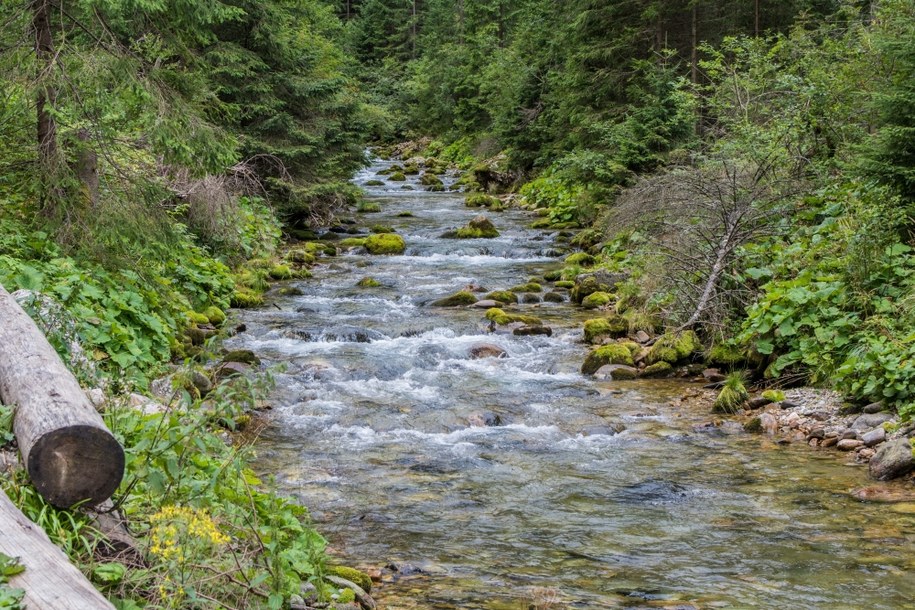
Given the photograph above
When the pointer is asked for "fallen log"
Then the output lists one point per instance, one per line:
(68, 452)
(50, 581)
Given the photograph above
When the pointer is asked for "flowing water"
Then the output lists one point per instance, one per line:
(374, 430)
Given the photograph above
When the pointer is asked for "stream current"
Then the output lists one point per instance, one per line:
(373, 430)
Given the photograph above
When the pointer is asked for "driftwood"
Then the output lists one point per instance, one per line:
(68, 452)
(50, 581)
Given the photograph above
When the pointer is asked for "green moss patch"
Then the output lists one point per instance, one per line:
(596, 300)
(502, 318)
(503, 296)
(614, 353)
(672, 348)
(458, 299)
(385, 243)
(603, 328)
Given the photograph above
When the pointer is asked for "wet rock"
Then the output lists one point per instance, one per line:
(617, 372)
(874, 437)
(817, 433)
(658, 369)
(227, 370)
(893, 460)
(787, 404)
(713, 375)
(874, 407)
(599, 281)
(870, 420)
(849, 444)
(599, 430)
(865, 454)
(554, 297)
(458, 299)
(829, 441)
(485, 419)
(487, 350)
(241, 355)
(769, 423)
(532, 329)
(883, 494)
(530, 298)
(848, 435)
(758, 402)
(486, 304)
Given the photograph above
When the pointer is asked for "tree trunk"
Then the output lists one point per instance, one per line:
(50, 581)
(87, 167)
(68, 452)
(47, 94)
(694, 45)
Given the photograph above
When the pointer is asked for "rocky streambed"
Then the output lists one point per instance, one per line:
(460, 455)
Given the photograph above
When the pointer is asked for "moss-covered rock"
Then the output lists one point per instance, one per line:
(280, 272)
(658, 369)
(215, 315)
(529, 287)
(428, 179)
(672, 348)
(458, 299)
(503, 296)
(553, 275)
(300, 257)
(599, 329)
(565, 284)
(245, 356)
(615, 353)
(411, 169)
(352, 242)
(290, 291)
(381, 229)
(385, 243)
(554, 297)
(195, 317)
(726, 356)
(368, 282)
(353, 575)
(245, 297)
(397, 177)
(503, 318)
(478, 228)
(368, 207)
(596, 300)
(374, 182)
(405, 214)
(582, 259)
(481, 200)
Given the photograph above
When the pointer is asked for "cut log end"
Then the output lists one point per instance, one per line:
(76, 464)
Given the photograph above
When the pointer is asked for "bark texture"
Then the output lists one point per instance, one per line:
(68, 452)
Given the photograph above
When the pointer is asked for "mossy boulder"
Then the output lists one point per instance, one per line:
(300, 256)
(503, 318)
(605, 328)
(458, 299)
(385, 243)
(368, 282)
(582, 259)
(374, 182)
(726, 356)
(428, 179)
(290, 291)
(554, 297)
(553, 276)
(672, 348)
(658, 369)
(411, 169)
(481, 200)
(529, 287)
(215, 315)
(245, 297)
(368, 207)
(405, 214)
(597, 281)
(353, 575)
(381, 229)
(565, 284)
(478, 228)
(596, 300)
(195, 317)
(245, 356)
(352, 242)
(397, 177)
(615, 353)
(503, 296)
(280, 272)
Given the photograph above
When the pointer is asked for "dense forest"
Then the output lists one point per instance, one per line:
(746, 168)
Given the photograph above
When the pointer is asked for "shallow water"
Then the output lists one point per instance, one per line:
(372, 430)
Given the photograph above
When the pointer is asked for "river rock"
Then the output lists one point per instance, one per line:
(848, 435)
(617, 372)
(554, 297)
(364, 599)
(874, 407)
(769, 423)
(894, 459)
(485, 419)
(530, 298)
(532, 329)
(829, 441)
(227, 370)
(599, 281)
(874, 437)
(849, 444)
(758, 402)
(642, 337)
(870, 420)
(486, 304)
(713, 375)
(883, 494)
(487, 350)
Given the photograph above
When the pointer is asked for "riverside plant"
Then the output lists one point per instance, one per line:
(732, 395)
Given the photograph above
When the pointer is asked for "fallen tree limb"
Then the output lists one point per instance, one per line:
(68, 452)
(50, 581)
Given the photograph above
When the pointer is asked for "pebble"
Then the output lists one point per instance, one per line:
(848, 444)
